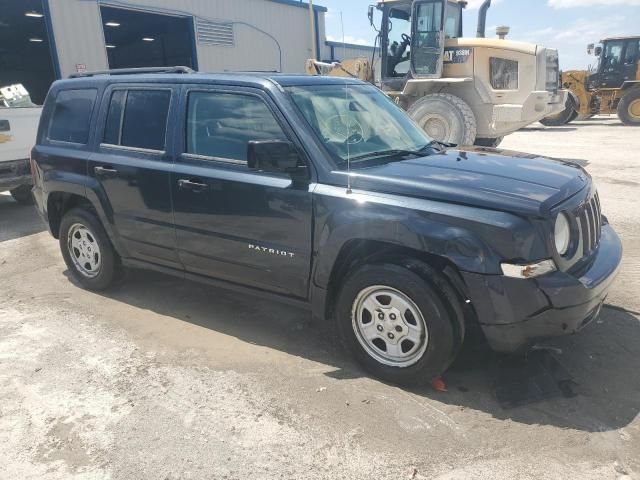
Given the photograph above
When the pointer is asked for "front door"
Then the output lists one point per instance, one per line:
(233, 223)
(611, 64)
(132, 166)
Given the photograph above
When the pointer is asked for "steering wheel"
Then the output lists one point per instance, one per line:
(347, 130)
(406, 39)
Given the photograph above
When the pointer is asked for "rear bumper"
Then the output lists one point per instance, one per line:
(510, 117)
(14, 174)
(513, 313)
(538, 105)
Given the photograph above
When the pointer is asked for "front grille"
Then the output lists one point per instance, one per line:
(590, 224)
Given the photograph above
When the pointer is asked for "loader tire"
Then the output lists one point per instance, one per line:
(629, 108)
(445, 117)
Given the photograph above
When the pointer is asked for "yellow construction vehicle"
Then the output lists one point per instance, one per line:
(459, 90)
(613, 87)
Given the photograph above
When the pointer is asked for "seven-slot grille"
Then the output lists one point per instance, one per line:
(590, 223)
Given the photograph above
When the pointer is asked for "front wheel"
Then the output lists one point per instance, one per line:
(445, 118)
(87, 250)
(629, 108)
(397, 325)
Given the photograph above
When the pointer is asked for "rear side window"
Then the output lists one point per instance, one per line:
(72, 115)
(138, 118)
(220, 125)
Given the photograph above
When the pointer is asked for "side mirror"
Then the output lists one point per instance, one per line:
(598, 51)
(370, 14)
(590, 48)
(275, 156)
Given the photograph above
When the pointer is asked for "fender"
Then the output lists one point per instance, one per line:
(472, 239)
(56, 181)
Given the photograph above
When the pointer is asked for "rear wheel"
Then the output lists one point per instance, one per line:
(87, 250)
(445, 118)
(397, 325)
(22, 194)
(629, 108)
(562, 118)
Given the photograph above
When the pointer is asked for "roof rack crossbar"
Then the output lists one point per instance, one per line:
(128, 71)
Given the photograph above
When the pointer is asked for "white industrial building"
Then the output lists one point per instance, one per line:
(41, 40)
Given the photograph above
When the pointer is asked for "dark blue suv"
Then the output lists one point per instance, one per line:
(320, 191)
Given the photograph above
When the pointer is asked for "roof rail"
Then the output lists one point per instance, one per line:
(128, 71)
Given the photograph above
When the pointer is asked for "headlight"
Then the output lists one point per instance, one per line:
(562, 234)
(504, 74)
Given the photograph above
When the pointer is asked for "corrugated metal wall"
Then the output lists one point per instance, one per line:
(79, 36)
(341, 51)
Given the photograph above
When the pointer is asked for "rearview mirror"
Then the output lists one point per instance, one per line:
(598, 51)
(370, 14)
(273, 156)
(590, 48)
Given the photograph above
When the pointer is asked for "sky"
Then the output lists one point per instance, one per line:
(568, 25)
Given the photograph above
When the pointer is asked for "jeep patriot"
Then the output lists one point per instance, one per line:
(320, 191)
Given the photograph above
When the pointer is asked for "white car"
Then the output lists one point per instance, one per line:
(19, 118)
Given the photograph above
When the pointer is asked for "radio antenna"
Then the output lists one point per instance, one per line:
(346, 98)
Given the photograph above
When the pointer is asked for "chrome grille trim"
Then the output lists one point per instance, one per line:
(590, 224)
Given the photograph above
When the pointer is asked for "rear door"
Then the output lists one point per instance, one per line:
(132, 164)
(234, 223)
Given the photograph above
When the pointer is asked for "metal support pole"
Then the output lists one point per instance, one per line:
(312, 37)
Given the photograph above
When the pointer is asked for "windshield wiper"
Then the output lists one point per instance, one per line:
(393, 152)
(440, 145)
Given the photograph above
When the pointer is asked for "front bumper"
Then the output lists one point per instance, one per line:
(14, 174)
(513, 313)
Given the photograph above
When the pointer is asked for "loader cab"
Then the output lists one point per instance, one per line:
(618, 62)
(413, 35)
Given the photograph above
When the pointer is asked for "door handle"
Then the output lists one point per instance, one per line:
(5, 126)
(106, 172)
(194, 184)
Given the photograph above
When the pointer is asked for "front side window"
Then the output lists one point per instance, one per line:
(72, 115)
(220, 125)
(138, 119)
(358, 122)
(612, 57)
(452, 21)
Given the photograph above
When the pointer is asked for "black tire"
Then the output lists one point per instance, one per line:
(110, 266)
(22, 195)
(629, 108)
(445, 118)
(437, 306)
(488, 142)
(562, 118)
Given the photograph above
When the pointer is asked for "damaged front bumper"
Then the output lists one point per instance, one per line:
(513, 312)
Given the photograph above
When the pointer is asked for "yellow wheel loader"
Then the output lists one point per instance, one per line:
(612, 88)
(459, 90)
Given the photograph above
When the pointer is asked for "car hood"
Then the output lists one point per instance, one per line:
(488, 178)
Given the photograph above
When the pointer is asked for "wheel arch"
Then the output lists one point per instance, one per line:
(77, 190)
(439, 272)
